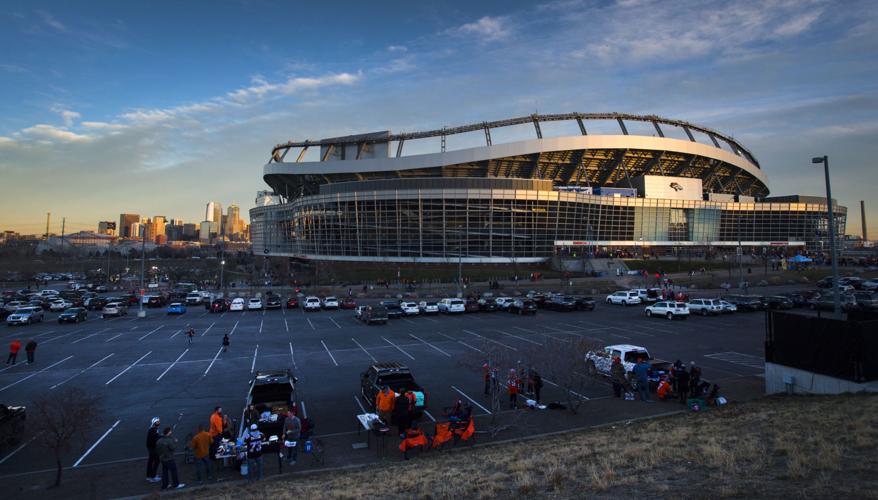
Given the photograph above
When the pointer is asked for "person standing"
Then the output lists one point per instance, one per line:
(200, 445)
(190, 333)
(253, 441)
(14, 347)
(226, 342)
(641, 372)
(30, 348)
(682, 384)
(251, 415)
(166, 446)
(486, 373)
(694, 380)
(216, 425)
(227, 427)
(617, 376)
(512, 385)
(384, 402)
(401, 412)
(537, 385)
(152, 462)
(292, 434)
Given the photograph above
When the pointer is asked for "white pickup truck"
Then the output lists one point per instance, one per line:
(599, 362)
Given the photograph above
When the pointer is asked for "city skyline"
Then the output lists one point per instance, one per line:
(102, 130)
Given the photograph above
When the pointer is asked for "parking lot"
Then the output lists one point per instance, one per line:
(146, 367)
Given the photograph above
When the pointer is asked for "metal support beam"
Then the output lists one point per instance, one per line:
(712, 138)
(399, 148)
(443, 139)
(710, 176)
(537, 127)
(327, 152)
(576, 163)
(652, 163)
(689, 133)
(487, 134)
(360, 148)
(735, 180)
(581, 126)
(683, 166)
(302, 153)
(535, 166)
(658, 129)
(622, 126)
(617, 160)
(750, 184)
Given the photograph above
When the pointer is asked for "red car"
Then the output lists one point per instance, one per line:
(348, 304)
(219, 306)
(292, 303)
(471, 306)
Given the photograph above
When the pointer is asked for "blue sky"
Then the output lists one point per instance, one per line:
(159, 107)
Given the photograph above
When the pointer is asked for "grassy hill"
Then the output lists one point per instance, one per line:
(816, 447)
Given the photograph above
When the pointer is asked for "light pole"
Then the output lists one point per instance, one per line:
(742, 284)
(222, 269)
(141, 313)
(460, 261)
(831, 224)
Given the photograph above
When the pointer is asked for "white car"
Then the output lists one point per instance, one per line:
(451, 306)
(254, 304)
(428, 307)
(237, 304)
(871, 285)
(25, 316)
(728, 307)
(114, 309)
(15, 304)
(330, 302)
(47, 293)
(648, 294)
(705, 306)
(625, 298)
(504, 302)
(670, 310)
(193, 298)
(410, 308)
(311, 303)
(59, 305)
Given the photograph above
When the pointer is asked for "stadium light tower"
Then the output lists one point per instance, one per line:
(833, 251)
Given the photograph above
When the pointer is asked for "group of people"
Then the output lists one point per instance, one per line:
(680, 383)
(524, 380)
(30, 349)
(397, 407)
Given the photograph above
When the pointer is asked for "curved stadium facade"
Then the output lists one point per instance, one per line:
(650, 182)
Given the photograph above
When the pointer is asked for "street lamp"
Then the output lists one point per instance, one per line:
(222, 268)
(141, 313)
(460, 260)
(831, 223)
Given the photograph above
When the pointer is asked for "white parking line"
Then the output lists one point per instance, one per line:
(255, 353)
(150, 333)
(519, 338)
(490, 340)
(113, 337)
(13, 452)
(330, 354)
(213, 360)
(409, 321)
(429, 344)
(35, 373)
(304, 410)
(207, 329)
(263, 311)
(334, 321)
(49, 333)
(360, 404)
(286, 325)
(126, 369)
(312, 324)
(619, 336)
(571, 392)
(233, 329)
(429, 416)
(96, 444)
(58, 337)
(471, 347)
(80, 339)
(82, 371)
(473, 401)
(172, 365)
(260, 325)
(293, 356)
(133, 328)
(399, 348)
(175, 334)
(364, 350)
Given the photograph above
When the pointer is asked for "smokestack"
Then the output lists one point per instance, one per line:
(863, 219)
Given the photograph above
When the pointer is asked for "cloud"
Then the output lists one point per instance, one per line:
(50, 21)
(67, 115)
(397, 48)
(263, 89)
(797, 24)
(50, 133)
(13, 68)
(487, 28)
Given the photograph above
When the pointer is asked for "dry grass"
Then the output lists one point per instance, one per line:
(779, 446)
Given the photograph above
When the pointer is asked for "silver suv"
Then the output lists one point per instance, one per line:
(670, 310)
(705, 306)
(625, 298)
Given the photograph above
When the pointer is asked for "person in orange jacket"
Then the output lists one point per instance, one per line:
(384, 403)
(14, 347)
(216, 425)
(664, 389)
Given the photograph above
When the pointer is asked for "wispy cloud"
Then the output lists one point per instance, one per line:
(51, 134)
(487, 28)
(50, 21)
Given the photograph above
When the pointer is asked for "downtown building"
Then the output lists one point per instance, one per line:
(598, 182)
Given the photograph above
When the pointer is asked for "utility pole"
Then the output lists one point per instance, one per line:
(742, 284)
(141, 313)
(48, 217)
(63, 223)
(836, 292)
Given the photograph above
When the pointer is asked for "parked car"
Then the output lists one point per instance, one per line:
(826, 302)
(219, 306)
(293, 303)
(274, 393)
(625, 298)
(728, 307)
(503, 302)
(330, 302)
(488, 306)
(96, 303)
(409, 308)
(12, 425)
(154, 301)
(114, 309)
(73, 315)
(312, 303)
(101, 289)
(451, 306)
(600, 362)
(348, 303)
(778, 302)
(867, 301)
(394, 311)
(649, 294)
(523, 306)
(538, 298)
(25, 316)
(237, 304)
(395, 376)
(746, 302)
(705, 306)
(871, 285)
(254, 304)
(670, 310)
(428, 307)
(13, 305)
(60, 305)
(272, 302)
(371, 314)
(194, 298)
(471, 306)
(176, 308)
(561, 303)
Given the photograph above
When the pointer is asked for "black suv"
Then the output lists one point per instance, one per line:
(561, 303)
(397, 377)
(272, 302)
(522, 306)
(584, 303)
(746, 302)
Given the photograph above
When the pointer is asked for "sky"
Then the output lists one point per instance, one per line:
(159, 107)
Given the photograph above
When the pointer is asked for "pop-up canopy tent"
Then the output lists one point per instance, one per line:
(798, 259)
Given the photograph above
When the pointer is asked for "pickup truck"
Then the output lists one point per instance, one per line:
(273, 392)
(599, 362)
(395, 376)
(11, 424)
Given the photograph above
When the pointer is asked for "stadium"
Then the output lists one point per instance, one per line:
(525, 189)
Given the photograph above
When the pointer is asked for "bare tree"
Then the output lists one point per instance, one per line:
(561, 362)
(62, 421)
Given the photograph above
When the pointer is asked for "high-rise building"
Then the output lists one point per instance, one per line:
(125, 221)
(208, 231)
(107, 227)
(134, 229)
(190, 231)
(233, 220)
(159, 222)
(149, 227)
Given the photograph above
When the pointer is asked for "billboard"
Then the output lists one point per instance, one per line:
(667, 187)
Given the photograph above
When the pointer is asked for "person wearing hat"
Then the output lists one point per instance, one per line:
(152, 463)
(617, 376)
(254, 453)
